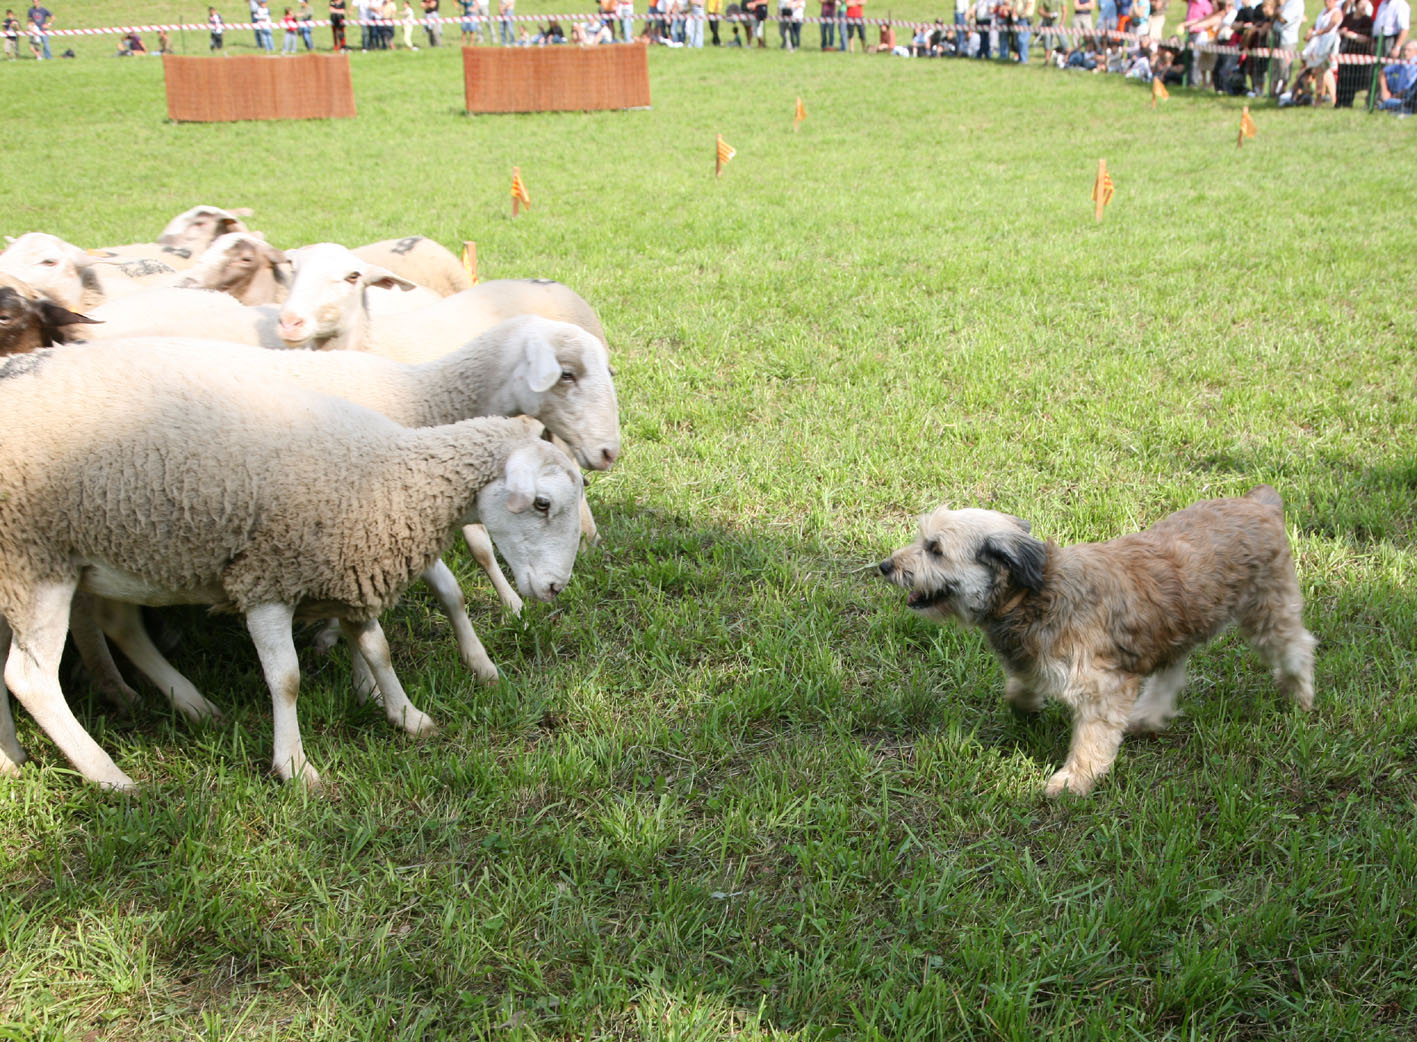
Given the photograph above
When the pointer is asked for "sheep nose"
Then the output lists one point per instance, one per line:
(555, 588)
(886, 567)
(608, 458)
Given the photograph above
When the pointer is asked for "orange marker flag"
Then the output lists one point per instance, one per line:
(725, 153)
(798, 116)
(519, 194)
(1102, 187)
(1247, 127)
(1158, 91)
(469, 260)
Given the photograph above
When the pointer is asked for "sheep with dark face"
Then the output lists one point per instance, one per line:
(241, 265)
(30, 320)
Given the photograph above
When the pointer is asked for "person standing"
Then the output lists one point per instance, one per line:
(431, 25)
(856, 22)
(1023, 26)
(1391, 26)
(506, 10)
(217, 30)
(799, 16)
(714, 10)
(291, 40)
(1082, 19)
(1286, 25)
(984, 25)
(40, 19)
(12, 35)
(264, 40)
(828, 24)
(306, 17)
(694, 26)
(338, 13)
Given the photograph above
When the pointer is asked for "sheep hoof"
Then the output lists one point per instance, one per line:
(484, 670)
(513, 604)
(121, 783)
(419, 725)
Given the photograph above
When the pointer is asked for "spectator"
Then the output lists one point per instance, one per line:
(1001, 40)
(306, 17)
(784, 23)
(40, 20)
(264, 40)
(1202, 61)
(1321, 51)
(1291, 14)
(434, 28)
(1050, 14)
(1390, 26)
(1398, 80)
(506, 13)
(676, 22)
(365, 18)
(1158, 19)
(714, 10)
(338, 13)
(12, 35)
(625, 12)
(1082, 17)
(291, 41)
(1106, 16)
(887, 42)
(932, 44)
(983, 25)
(592, 32)
(1355, 36)
(856, 22)
(1124, 15)
(130, 45)
(828, 25)
(759, 11)
(216, 28)
(1023, 25)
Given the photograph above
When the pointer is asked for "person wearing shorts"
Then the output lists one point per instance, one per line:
(855, 23)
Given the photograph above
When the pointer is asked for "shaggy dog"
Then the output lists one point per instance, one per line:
(1106, 627)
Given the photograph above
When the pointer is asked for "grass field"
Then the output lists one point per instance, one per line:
(729, 786)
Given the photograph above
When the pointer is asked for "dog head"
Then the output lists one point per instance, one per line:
(963, 563)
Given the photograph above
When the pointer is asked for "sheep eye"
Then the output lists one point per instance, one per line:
(541, 505)
(352, 277)
(567, 377)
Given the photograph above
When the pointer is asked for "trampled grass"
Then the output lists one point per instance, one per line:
(729, 787)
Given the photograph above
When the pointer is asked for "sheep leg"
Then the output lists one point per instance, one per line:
(445, 587)
(270, 629)
(123, 624)
(368, 638)
(11, 754)
(328, 637)
(93, 651)
(365, 686)
(480, 543)
(32, 673)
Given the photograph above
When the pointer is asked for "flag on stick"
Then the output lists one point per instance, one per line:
(1158, 91)
(1247, 127)
(469, 260)
(1102, 187)
(725, 153)
(798, 116)
(519, 194)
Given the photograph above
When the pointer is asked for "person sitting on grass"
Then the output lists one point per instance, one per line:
(130, 45)
(1395, 85)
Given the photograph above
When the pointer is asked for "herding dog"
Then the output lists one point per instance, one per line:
(1106, 627)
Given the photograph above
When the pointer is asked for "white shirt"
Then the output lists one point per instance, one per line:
(1397, 16)
(1290, 15)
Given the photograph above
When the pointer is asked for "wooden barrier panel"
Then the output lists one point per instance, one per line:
(559, 78)
(218, 90)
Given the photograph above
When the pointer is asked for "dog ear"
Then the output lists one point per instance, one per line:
(1021, 555)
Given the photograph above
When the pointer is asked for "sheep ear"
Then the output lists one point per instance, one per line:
(385, 279)
(54, 320)
(543, 367)
(520, 473)
(1021, 556)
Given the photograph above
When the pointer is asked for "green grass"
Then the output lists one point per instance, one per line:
(730, 787)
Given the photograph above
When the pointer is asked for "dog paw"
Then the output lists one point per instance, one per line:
(1066, 780)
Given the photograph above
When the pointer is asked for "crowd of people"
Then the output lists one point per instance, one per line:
(1232, 46)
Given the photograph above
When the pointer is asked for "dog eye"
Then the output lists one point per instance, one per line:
(932, 548)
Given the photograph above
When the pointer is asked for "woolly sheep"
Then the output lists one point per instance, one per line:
(185, 237)
(241, 265)
(554, 372)
(419, 260)
(180, 484)
(30, 320)
(73, 277)
(193, 313)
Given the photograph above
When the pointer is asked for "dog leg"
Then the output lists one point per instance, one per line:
(1100, 718)
(1020, 696)
(1276, 630)
(1157, 703)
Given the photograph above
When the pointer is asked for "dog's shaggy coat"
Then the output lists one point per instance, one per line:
(1106, 627)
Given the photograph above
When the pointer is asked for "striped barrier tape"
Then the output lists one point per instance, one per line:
(950, 29)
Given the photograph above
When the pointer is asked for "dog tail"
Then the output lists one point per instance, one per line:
(1266, 495)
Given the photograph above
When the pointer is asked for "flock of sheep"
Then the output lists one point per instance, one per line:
(171, 457)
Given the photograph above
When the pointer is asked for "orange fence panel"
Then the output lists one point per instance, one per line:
(218, 90)
(556, 79)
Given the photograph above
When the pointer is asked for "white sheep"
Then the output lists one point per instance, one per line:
(242, 265)
(30, 320)
(554, 372)
(174, 482)
(185, 237)
(419, 260)
(73, 277)
(194, 313)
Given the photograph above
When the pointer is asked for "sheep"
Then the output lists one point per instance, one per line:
(241, 265)
(185, 237)
(192, 313)
(419, 260)
(30, 320)
(181, 482)
(73, 277)
(327, 307)
(554, 372)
